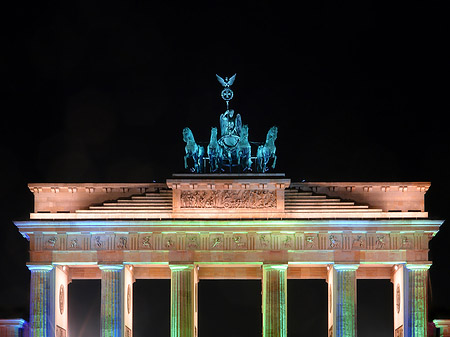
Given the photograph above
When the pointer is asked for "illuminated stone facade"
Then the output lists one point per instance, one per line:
(196, 227)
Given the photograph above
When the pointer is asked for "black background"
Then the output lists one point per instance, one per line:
(100, 91)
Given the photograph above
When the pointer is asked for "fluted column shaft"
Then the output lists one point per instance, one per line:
(40, 301)
(416, 304)
(274, 300)
(111, 319)
(344, 300)
(182, 301)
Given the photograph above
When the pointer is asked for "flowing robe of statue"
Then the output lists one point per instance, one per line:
(230, 128)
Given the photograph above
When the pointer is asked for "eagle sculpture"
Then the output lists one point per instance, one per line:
(227, 82)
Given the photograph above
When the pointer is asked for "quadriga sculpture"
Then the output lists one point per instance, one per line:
(193, 151)
(244, 150)
(214, 152)
(267, 151)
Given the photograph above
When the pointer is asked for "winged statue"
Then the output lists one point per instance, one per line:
(227, 82)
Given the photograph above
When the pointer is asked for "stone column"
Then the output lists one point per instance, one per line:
(183, 298)
(111, 319)
(343, 300)
(444, 327)
(416, 277)
(274, 300)
(40, 301)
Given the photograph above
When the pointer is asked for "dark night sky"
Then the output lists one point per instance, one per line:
(100, 91)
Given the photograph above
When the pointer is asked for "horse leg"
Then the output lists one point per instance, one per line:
(274, 161)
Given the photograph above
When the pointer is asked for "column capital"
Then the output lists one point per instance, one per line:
(345, 267)
(111, 267)
(443, 325)
(279, 266)
(181, 266)
(40, 267)
(418, 266)
(14, 322)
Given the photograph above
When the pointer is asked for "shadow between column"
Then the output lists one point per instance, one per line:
(84, 308)
(307, 308)
(229, 308)
(151, 308)
(375, 308)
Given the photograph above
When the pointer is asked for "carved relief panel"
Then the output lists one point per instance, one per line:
(146, 241)
(122, 242)
(228, 199)
(169, 242)
(239, 241)
(216, 241)
(102, 241)
(358, 241)
(193, 241)
(52, 242)
(76, 242)
(264, 241)
(378, 241)
(311, 241)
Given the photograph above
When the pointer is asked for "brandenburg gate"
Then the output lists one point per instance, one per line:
(200, 226)
(229, 223)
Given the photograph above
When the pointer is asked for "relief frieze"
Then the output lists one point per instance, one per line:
(229, 199)
(227, 241)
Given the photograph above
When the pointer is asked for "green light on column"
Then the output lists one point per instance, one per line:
(274, 300)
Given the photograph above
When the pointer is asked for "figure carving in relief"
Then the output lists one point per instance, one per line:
(169, 243)
(52, 241)
(238, 242)
(358, 241)
(406, 243)
(334, 242)
(379, 243)
(217, 241)
(264, 240)
(122, 244)
(74, 243)
(146, 241)
(192, 242)
(98, 242)
(228, 199)
(287, 242)
(310, 241)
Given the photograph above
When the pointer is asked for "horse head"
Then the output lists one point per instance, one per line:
(244, 132)
(272, 135)
(213, 135)
(188, 136)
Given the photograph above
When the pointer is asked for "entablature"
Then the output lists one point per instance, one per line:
(230, 197)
